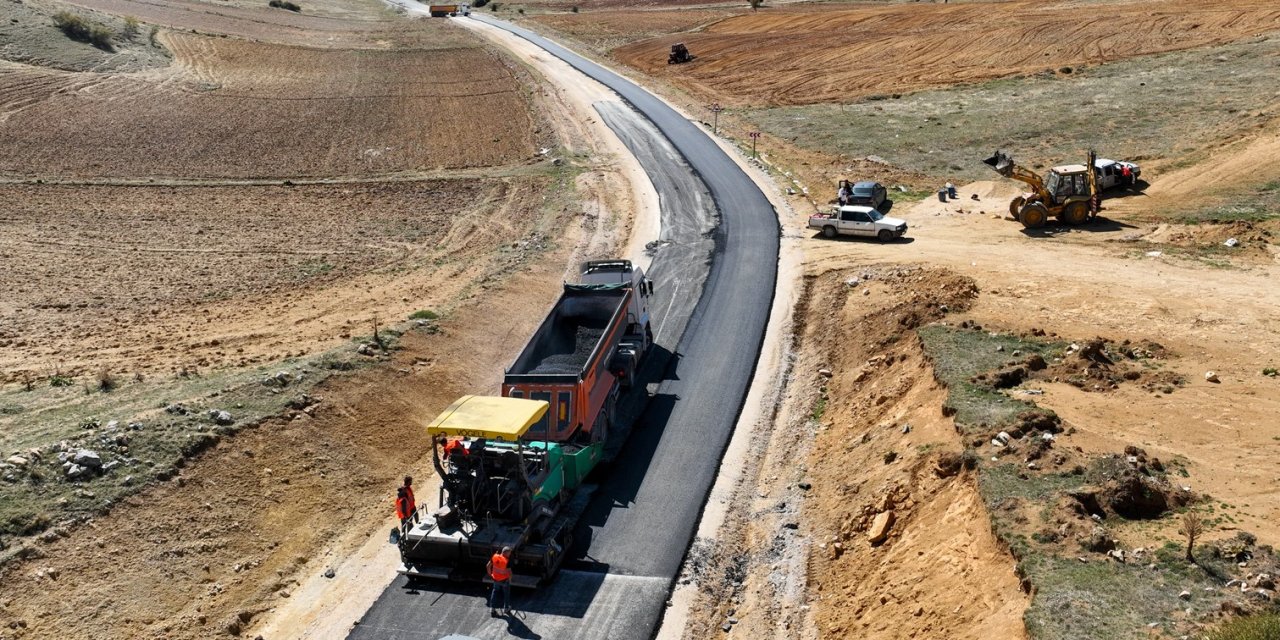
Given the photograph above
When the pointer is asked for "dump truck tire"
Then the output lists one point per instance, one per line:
(1033, 216)
(1075, 213)
(829, 231)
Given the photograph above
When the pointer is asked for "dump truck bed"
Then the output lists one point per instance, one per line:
(573, 333)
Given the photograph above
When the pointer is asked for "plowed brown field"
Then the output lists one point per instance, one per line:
(238, 109)
(608, 29)
(813, 55)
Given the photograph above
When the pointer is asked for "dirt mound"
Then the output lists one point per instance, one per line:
(1249, 240)
(820, 54)
(1098, 364)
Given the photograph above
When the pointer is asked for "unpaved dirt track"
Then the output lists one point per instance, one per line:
(635, 533)
(824, 54)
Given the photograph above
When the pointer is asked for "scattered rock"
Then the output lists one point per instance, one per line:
(177, 409)
(1231, 242)
(329, 573)
(87, 458)
(1210, 376)
(221, 418)
(1185, 595)
(17, 461)
(879, 531)
(826, 373)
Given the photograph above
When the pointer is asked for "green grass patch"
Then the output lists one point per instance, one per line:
(1106, 600)
(1154, 105)
(960, 354)
(1257, 204)
(1262, 627)
(424, 314)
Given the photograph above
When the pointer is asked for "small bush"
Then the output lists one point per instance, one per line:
(479, 3)
(285, 4)
(424, 314)
(575, 9)
(79, 28)
(130, 30)
(107, 382)
(1271, 372)
(59, 380)
(1266, 627)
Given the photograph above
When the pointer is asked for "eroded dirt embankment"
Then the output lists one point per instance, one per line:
(859, 434)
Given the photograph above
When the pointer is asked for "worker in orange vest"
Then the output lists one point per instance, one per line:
(500, 572)
(408, 491)
(402, 506)
(453, 446)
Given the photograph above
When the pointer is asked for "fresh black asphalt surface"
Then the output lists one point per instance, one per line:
(642, 518)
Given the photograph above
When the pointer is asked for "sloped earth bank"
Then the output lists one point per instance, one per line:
(859, 433)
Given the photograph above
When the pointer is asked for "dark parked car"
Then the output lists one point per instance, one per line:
(870, 194)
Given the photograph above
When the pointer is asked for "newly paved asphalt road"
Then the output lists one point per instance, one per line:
(642, 519)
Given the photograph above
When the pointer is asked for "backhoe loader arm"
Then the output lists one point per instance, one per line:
(1004, 165)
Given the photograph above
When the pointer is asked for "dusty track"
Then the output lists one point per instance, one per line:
(812, 55)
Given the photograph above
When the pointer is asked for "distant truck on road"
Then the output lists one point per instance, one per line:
(857, 220)
(447, 10)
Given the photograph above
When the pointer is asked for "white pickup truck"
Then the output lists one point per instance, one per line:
(855, 220)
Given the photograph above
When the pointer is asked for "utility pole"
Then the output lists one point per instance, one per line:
(715, 117)
(755, 135)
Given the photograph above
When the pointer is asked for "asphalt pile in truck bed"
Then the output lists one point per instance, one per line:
(584, 340)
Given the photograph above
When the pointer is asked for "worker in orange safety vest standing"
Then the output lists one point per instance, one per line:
(408, 492)
(500, 572)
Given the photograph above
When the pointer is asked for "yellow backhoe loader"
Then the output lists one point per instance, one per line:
(1070, 193)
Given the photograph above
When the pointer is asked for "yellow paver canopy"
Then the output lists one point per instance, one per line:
(490, 417)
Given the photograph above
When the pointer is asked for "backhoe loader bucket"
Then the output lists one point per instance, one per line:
(1001, 162)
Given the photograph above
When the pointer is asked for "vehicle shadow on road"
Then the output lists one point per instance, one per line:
(1098, 225)
(1138, 188)
(866, 239)
(624, 479)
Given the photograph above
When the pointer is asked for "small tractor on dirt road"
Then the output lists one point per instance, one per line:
(1070, 192)
(679, 54)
